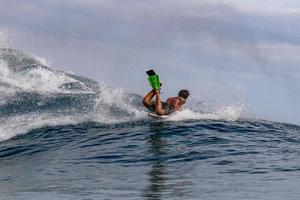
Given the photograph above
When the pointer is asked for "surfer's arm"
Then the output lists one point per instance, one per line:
(158, 105)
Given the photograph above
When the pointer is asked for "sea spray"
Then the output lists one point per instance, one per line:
(36, 95)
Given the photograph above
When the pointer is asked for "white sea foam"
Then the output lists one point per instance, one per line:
(115, 98)
(227, 113)
(4, 71)
(38, 79)
(118, 98)
(6, 92)
(21, 124)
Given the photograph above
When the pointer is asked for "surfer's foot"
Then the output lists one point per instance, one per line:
(156, 91)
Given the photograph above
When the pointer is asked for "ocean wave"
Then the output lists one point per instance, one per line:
(33, 95)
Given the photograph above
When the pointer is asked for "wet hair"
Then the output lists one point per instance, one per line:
(184, 94)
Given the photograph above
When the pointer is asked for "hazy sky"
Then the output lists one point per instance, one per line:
(229, 51)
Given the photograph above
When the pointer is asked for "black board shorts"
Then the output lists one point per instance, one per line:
(168, 109)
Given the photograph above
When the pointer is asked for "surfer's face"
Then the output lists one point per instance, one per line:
(182, 100)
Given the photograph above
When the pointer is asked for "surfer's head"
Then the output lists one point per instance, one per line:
(183, 94)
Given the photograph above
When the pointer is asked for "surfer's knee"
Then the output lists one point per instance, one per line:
(146, 102)
(160, 112)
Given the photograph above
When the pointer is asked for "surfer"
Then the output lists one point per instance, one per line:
(165, 108)
(162, 108)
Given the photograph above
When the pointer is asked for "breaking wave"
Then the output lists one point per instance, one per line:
(34, 95)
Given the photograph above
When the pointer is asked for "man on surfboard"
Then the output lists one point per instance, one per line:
(165, 108)
(162, 108)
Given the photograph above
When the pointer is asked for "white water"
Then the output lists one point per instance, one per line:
(47, 82)
(227, 113)
(36, 80)
(21, 124)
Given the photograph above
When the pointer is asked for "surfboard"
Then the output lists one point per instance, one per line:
(151, 114)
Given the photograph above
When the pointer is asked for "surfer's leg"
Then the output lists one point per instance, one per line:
(158, 105)
(147, 101)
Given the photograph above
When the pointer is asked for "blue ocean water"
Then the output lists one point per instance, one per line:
(64, 136)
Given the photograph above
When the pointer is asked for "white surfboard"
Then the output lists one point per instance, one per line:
(151, 114)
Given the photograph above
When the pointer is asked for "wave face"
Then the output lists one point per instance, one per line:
(34, 95)
(64, 136)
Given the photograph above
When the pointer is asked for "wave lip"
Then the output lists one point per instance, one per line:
(26, 72)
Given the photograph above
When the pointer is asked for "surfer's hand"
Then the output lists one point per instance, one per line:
(156, 91)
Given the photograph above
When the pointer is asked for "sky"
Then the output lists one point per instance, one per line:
(228, 51)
